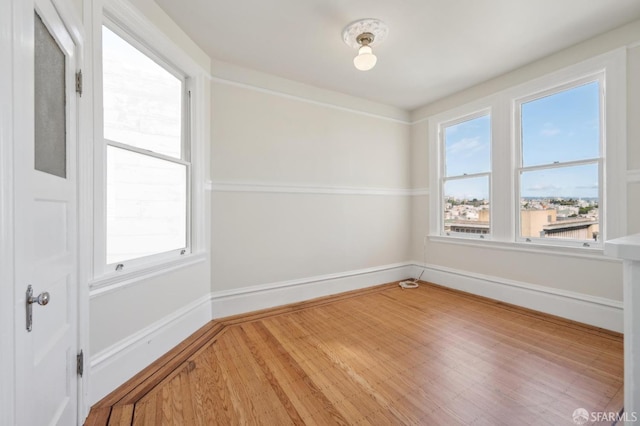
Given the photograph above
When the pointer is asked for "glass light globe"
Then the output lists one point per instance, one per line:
(365, 59)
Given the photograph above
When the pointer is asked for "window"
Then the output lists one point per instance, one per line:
(147, 153)
(540, 164)
(560, 163)
(467, 175)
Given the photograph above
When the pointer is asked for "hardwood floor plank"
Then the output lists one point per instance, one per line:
(379, 356)
(273, 381)
(144, 413)
(122, 415)
(98, 416)
(313, 400)
(221, 408)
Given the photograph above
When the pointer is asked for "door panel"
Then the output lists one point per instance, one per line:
(50, 224)
(46, 222)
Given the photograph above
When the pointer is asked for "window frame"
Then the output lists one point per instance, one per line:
(506, 157)
(185, 151)
(125, 21)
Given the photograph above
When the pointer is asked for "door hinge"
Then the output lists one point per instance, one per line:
(80, 363)
(79, 82)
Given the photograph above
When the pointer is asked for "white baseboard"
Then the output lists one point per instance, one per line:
(239, 301)
(592, 310)
(118, 363)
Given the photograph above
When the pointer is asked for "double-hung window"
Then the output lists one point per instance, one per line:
(148, 168)
(539, 164)
(561, 163)
(466, 180)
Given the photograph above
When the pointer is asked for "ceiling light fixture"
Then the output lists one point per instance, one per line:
(363, 35)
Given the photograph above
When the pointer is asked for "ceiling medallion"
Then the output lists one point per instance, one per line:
(363, 35)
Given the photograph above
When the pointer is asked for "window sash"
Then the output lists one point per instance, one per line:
(180, 210)
(598, 77)
(566, 241)
(167, 65)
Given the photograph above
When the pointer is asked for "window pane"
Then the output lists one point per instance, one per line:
(560, 203)
(466, 205)
(468, 147)
(50, 150)
(562, 127)
(142, 100)
(146, 205)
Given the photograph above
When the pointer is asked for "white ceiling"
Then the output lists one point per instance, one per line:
(434, 47)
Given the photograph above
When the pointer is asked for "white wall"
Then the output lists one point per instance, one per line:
(294, 169)
(633, 136)
(592, 277)
(118, 314)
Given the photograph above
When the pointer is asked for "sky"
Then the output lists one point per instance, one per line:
(557, 128)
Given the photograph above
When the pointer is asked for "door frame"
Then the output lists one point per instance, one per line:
(7, 300)
(13, 34)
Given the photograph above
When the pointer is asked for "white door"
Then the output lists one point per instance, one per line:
(45, 203)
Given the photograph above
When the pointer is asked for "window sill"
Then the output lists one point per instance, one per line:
(593, 253)
(115, 281)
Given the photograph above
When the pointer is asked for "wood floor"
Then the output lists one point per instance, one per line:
(380, 356)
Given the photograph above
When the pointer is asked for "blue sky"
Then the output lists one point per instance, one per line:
(557, 128)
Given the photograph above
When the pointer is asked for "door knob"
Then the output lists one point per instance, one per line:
(41, 299)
